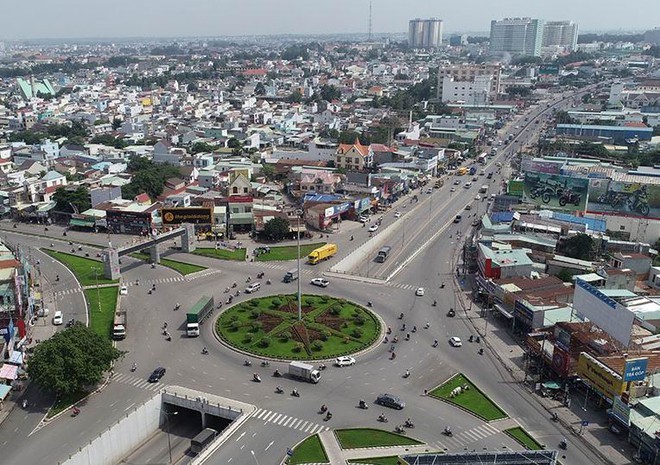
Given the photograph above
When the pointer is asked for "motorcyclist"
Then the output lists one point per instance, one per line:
(407, 374)
(205, 350)
(447, 430)
(277, 373)
(435, 303)
(278, 388)
(134, 367)
(435, 343)
(324, 408)
(295, 393)
(369, 304)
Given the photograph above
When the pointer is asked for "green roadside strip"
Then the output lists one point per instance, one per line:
(221, 254)
(472, 399)
(101, 303)
(65, 402)
(524, 438)
(360, 438)
(88, 272)
(390, 460)
(180, 267)
(309, 451)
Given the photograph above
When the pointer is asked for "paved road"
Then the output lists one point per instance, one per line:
(282, 420)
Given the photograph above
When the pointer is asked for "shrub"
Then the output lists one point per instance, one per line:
(360, 320)
(254, 314)
(235, 325)
(357, 333)
(298, 347)
(256, 326)
(317, 345)
(285, 336)
(277, 303)
(344, 325)
(233, 317)
(248, 338)
(265, 342)
(335, 310)
(325, 335)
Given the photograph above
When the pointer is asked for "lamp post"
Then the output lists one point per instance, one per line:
(169, 443)
(98, 292)
(299, 213)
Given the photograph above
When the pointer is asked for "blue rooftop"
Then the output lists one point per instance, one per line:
(603, 128)
(501, 217)
(592, 223)
(321, 198)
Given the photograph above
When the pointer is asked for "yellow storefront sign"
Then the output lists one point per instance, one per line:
(600, 377)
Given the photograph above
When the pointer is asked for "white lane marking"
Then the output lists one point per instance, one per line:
(239, 438)
(268, 446)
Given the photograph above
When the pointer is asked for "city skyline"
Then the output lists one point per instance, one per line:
(208, 18)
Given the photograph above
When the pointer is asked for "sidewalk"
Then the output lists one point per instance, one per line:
(501, 345)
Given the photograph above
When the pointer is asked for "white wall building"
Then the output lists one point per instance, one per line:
(518, 36)
(425, 33)
(560, 34)
(474, 92)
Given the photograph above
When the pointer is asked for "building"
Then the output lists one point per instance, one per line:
(560, 34)
(518, 36)
(354, 156)
(35, 88)
(652, 36)
(473, 92)
(425, 33)
(468, 73)
(616, 134)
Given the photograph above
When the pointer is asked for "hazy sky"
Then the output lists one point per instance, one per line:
(175, 18)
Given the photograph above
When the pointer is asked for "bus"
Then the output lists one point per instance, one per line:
(482, 158)
(462, 171)
(383, 253)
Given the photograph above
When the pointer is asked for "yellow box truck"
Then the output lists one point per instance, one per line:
(322, 253)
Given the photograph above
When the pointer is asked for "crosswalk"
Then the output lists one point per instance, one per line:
(140, 383)
(203, 274)
(71, 291)
(306, 426)
(467, 437)
(286, 266)
(408, 287)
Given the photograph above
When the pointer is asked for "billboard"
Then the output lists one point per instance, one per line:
(194, 215)
(635, 369)
(549, 69)
(624, 198)
(555, 191)
(600, 377)
(514, 187)
(540, 166)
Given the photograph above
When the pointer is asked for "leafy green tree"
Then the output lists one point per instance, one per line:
(562, 117)
(294, 97)
(277, 228)
(116, 123)
(148, 177)
(109, 140)
(565, 275)
(71, 360)
(73, 201)
(29, 137)
(199, 147)
(268, 171)
(580, 246)
(519, 91)
(329, 92)
(260, 89)
(348, 137)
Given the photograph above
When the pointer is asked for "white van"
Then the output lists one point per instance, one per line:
(254, 287)
(58, 318)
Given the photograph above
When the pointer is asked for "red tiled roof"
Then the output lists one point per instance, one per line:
(362, 149)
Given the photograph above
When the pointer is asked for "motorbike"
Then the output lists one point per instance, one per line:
(389, 330)
(256, 378)
(442, 285)
(177, 306)
(295, 393)
(57, 278)
(427, 325)
(75, 412)
(234, 285)
(230, 299)
(399, 429)
(265, 363)
(471, 338)
(481, 351)
(25, 403)
(451, 313)
(406, 374)
(382, 418)
(435, 303)
(238, 293)
(401, 316)
(226, 290)
(414, 330)
(563, 444)
(134, 367)
(435, 343)
(279, 390)
(554, 417)
(205, 351)
(478, 339)
(247, 363)
(447, 432)
(328, 416)
(277, 374)
(268, 281)
(407, 338)
(369, 304)
(260, 275)
(409, 424)
(363, 405)
(153, 265)
(324, 408)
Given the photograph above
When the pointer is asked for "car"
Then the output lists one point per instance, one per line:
(58, 318)
(457, 182)
(429, 190)
(373, 228)
(455, 341)
(419, 291)
(477, 197)
(390, 400)
(254, 287)
(344, 361)
(364, 219)
(156, 375)
(453, 189)
(468, 207)
(397, 214)
(123, 290)
(320, 282)
(474, 178)
(457, 219)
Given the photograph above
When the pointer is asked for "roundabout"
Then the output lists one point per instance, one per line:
(269, 327)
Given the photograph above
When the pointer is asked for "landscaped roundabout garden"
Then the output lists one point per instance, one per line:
(269, 327)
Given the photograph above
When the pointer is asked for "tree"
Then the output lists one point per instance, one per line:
(519, 91)
(72, 201)
(348, 137)
(329, 93)
(580, 246)
(199, 147)
(294, 97)
(277, 229)
(268, 171)
(260, 89)
(116, 123)
(71, 360)
(147, 177)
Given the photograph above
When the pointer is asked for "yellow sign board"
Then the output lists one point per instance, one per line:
(600, 377)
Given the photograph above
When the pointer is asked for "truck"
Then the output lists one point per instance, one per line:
(304, 372)
(119, 325)
(291, 275)
(462, 171)
(483, 189)
(383, 253)
(322, 253)
(203, 439)
(197, 314)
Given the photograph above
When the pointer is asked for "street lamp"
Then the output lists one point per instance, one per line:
(299, 213)
(98, 291)
(169, 443)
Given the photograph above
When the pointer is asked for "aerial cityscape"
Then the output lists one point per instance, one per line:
(341, 233)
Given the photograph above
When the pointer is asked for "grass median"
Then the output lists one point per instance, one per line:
(390, 460)
(360, 438)
(101, 302)
(221, 254)
(472, 399)
(524, 438)
(89, 272)
(309, 451)
(287, 252)
(179, 267)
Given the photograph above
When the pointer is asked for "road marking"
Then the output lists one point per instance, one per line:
(260, 414)
(287, 422)
(303, 426)
(276, 418)
(239, 438)
(268, 446)
(295, 426)
(129, 407)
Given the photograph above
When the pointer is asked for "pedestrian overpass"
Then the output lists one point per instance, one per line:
(112, 255)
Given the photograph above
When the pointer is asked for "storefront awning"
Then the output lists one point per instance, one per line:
(9, 372)
(4, 391)
(16, 358)
(82, 223)
(503, 311)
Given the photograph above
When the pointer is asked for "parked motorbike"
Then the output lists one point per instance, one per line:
(247, 363)
(277, 373)
(265, 363)
(279, 390)
(256, 378)
(295, 393)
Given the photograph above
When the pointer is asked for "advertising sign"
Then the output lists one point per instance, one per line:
(635, 369)
(555, 192)
(624, 199)
(540, 166)
(515, 188)
(549, 69)
(194, 215)
(600, 377)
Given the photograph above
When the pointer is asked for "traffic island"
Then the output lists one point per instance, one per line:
(221, 254)
(524, 438)
(390, 460)
(180, 267)
(284, 252)
(362, 438)
(309, 451)
(462, 393)
(88, 272)
(269, 327)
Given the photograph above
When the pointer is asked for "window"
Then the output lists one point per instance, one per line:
(622, 227)
(245, 190)
(357, 161)
(234, 190)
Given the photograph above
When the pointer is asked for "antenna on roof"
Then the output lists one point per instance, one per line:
(369, 36)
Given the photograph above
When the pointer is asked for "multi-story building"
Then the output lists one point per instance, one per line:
(560, 34)
(474, 92)
(355, 157)
(518, 36)
(461, 73)
(425, 33)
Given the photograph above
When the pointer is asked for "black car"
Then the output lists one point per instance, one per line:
(157, 374)
(390, 400)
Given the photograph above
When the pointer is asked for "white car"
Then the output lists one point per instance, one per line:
(453, 189)
(364, 219)
(58, 318)
(429, 190)
(397, 214)
(123, 290)
(254, 287)
(478, 197)
(373, 228)
(344, 361)
(419, 291)
(320, 282)
(455, 341)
